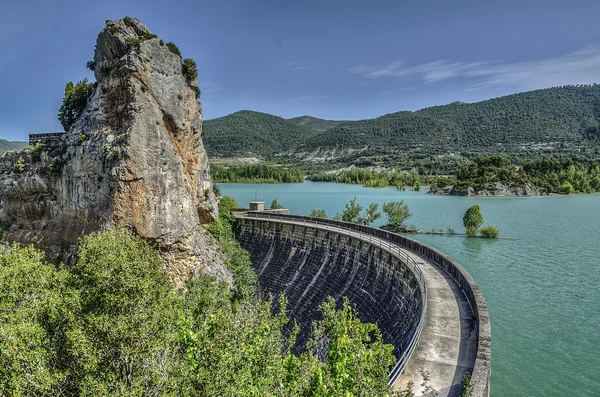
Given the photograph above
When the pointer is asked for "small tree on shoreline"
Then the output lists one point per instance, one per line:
(397, 212)
(472, 220)
(352, 212)
(371, 214)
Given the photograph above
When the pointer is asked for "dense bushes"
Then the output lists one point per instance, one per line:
(258, 173)
(546, 174)
(174, 49)
(113, 325)
(74, 102)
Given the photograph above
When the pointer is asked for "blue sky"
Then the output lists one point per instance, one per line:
(331, 59)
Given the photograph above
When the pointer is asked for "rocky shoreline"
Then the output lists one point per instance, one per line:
(496, 189)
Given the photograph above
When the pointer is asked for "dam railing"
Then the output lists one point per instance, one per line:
(387, 245)
(480, 376)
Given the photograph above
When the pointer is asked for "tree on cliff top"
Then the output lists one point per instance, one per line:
(74, 102)
(472, 220)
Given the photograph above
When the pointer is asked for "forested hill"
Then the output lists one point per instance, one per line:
(315, 124)
(247, 133)
(5, 145)
(561, 120)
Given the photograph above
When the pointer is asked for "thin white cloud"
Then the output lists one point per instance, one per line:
(307, 98)
(580, 67)
(294, 66)
(209, 87)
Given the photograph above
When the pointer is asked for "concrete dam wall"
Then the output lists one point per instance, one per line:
(308, 264)
(391, 279)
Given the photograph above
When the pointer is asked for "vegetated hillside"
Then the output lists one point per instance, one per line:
(561, 121)
(315, 123)
(552, 120)
(5, 145)
(247, 133)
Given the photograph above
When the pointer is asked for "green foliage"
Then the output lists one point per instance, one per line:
(489, 232)
(189, 69)
(397, 212)
(112, 324)
(566, 188)
(105, 326)
(315, 124)
(237, 259)
(546, 174)
(128, 21)
(256, 173)
(91, 65)
(196, 93)
(471, 231)
(82, 137)
(352, 212)
(136, 41)
(370, 178)
(467, 386)
(74, 102)
(275, 205)
(126, 342)
(28, 294)
(357, 359)
(318, 213)
(36, 151)
(173, 48)
(371, 214)
(20, 164)
(472, 220)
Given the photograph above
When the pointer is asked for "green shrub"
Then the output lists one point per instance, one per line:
(567, 188)
(472, 220)
(489, 232)
(196, 91)
(74, 102)
(128, 21)
(36, 151)
(275, 205)
(82, 137)
(20, 164)
(189, 69)
(174, 49)
(471, 231)
(318, 213)
(91, 65)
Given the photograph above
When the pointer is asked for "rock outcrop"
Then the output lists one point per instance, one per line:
(496, 189)
(134, 159)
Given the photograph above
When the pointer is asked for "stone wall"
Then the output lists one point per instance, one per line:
(308, 264)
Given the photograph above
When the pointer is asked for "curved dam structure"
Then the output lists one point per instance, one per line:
(426, 305)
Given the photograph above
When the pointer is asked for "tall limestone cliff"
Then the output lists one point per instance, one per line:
(134, 159)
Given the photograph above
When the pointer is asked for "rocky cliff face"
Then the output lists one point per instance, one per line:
(133, 159)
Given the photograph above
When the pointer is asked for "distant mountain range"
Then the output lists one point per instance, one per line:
(5, 145)
(560, 121)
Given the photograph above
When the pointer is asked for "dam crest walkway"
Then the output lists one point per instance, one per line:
(449, 342)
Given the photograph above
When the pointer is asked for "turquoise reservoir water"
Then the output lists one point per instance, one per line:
(541, 280)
